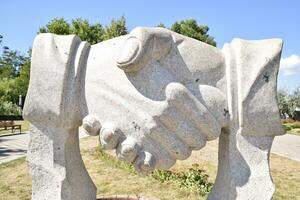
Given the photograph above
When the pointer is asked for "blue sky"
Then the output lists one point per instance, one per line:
(255, 19)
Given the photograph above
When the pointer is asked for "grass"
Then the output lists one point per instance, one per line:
(292, 127)
(286, 176)
(15, 182)
(115, 177)
(295, 131)
(124, 179)
(24, 127)
(193, 179)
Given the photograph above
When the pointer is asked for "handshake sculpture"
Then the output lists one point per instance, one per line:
(147, 103)
(153, 95)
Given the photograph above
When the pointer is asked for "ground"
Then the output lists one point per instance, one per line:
(113, 179)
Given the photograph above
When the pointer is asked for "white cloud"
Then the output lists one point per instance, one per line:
(290, 65)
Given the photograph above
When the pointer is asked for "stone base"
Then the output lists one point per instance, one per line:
(125, 197)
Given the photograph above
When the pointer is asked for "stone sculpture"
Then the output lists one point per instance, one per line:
(154, 96)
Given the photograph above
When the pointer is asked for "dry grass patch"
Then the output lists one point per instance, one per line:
(286, 176)
(117, 178)
(295, 131)
(15, 182)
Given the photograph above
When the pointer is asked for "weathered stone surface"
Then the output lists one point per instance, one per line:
(154, 96)
(244, 146)
(54, 111)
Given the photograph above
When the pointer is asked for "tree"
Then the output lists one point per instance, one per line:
(9, 108)
(10, 63)
(116, 28)
(92, 33)
(192, 29)
(58, 26)
(20, 84)
(288, 103)
(161, 25)
(14, 78)
(295, 101)
(283, 102)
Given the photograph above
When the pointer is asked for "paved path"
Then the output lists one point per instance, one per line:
(15, 146)
(288, 146)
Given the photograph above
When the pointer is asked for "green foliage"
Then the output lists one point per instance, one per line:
(288, 103)
(161, 25)
(194, 179)
(14, 78)
(294, 101)
(283, 105)
(5, 89)
(192, 29)
(58, 26)
(115, 29)
(21, 82)
(9, 108)
(287, 127)
(92, 33)
(10, 63)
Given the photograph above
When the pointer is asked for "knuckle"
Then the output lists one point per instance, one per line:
(91, 125)
(128, 150)
(109, 136)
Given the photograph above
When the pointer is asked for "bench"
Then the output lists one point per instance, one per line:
(9, 124)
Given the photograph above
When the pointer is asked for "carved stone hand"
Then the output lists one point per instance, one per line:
(152, 107)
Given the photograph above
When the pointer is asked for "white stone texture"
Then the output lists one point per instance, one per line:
(244, 146)
(54, 111)
(154, 96)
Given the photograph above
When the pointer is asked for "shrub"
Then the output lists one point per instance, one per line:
(9, 108)
(287, 127)
(194, 179)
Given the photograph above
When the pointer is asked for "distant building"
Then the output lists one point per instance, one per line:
(297, 114)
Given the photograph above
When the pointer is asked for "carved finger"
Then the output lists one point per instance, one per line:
(142, 45)
(163, 159)
(91, 125)
(180, 97)
(216, 102)
(145, 163)
(128, 150)
(184, 128)
(110, 136)
(173, 144)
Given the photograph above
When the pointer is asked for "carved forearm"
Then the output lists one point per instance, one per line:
(54, 108)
